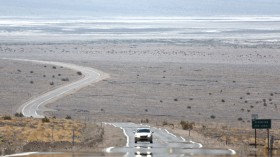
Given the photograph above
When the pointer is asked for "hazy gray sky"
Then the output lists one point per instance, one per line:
(138, 7)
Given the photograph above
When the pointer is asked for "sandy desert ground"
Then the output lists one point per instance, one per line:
(209, 83)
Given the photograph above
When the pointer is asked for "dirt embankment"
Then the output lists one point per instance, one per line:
(52, 135)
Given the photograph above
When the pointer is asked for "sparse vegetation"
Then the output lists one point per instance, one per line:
(65, 79)
(19, 114)
(68, 117)
(45, 120)
(187, 125)
(144, 120)
(164, 123)
(79, 73)
(212, 116)
(7, 117)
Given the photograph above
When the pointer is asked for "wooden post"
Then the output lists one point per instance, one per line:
(255, 138)
(268, 140)
(73, 137)
(271, 145)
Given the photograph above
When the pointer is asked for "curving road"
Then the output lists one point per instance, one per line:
(36, 107)
(165, 144)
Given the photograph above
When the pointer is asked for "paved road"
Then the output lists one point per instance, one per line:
(35, 107)
(165, 144)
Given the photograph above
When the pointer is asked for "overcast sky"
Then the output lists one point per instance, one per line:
(138, 7)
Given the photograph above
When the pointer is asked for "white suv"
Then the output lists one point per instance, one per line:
(143, 134)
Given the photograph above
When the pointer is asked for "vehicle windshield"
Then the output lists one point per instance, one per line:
(143, 130)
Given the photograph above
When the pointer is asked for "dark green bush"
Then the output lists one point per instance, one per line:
(45, 120)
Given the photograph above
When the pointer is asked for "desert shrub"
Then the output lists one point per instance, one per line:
(271, 94)
(264, 100)
(251, 106)
(212, 116)
(144, 120)
(223, 100)
(102, 110)
(51, 83)
(53, 76)
(19, 114)
(270, 99)
(19, 70)
(79, 73)
(31, 72)
(164, 123)
(6, 117)
(175, 99)
(248, 93)
(45, 66)
(65, 79)
(54, 67)
(146, 110)
(44, 75)
(240, 119)
(187, 125)
(45, 120)
(246, 101)
(264, 104)
(59, 75)
(31, 82)
(161, 101)
(242, 109)
(210, 93)
(241, 98)
(189, 107)
(191, 99)
(68, 117)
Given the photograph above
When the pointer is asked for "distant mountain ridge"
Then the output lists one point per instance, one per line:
(138, 7)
